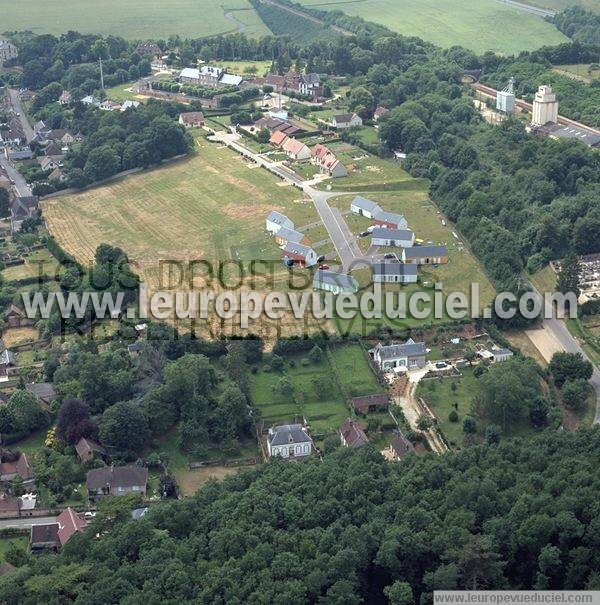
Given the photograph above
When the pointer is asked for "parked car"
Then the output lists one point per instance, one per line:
(389, 255)
(320, 259)
(364, 234)
(324, 267)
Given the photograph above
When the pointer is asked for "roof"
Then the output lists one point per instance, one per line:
(277, 217)
(278, 137)
(319, 151)
(135, 347)
(421, 251)
(589, 137)
(290, 235)
(401, 445)
(211, 70)
(394, 269)
(43, 534)
(294, 146)
(381, 111)
(288, 433)
(409, 349)
(231, 80)
(129, 104)
(365, 204)
(117, 476)
(85, 445)
(346, 282)
(353, 434)
(344, 117)
(190, 72)
(42, 390)
(382, 233)
(390, 217)
(297, 249)
(369, 400)
(502, 351)
(14, 310)
(69, 523)
(7, 358)
(192, 117)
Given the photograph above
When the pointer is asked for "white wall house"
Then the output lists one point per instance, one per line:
(346, 120)
(289, 441)
(275, 221)
(393, 237)
(409, 356)
(365, 207)
(395, 273)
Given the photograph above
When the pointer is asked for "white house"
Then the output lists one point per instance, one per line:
(395, 273)
(346, 120)
(276, 220)
(364, 207)
(393, 237)
(289, 441)
(425, 255)
(302, 255)
(334, 282)
(409, 356)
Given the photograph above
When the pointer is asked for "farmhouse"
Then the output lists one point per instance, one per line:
(364, 207)
(346, 120)
(396, 273)
(380, 112)
(192, 119)
(116, 481)
(278, 138)
(8, 52)
(296, 150)
(276, 221)
(407, 356)
(400, 446)
(334, 282)
(370, 404)
(425, 255)
(390, 220)
(393, 237)
(290, 236)
(300, 254)
(352, 434)
(289, 441)
(149, 49)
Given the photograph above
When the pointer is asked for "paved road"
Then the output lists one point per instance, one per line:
(527, 8)
(16, 104)
(26, 522)
(19, 183)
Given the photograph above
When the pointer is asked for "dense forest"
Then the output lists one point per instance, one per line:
(579, 24)
(349, 530)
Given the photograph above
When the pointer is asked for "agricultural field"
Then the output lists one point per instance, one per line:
(317, 396)
(585, 72)
(477, 24)
(137, 19)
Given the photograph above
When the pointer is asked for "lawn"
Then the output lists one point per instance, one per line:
(39, 263)
(476, 24)
(353, 371)
(5, 543)
(189, 210)
(245, 68)
(142, 19)
(544, 280)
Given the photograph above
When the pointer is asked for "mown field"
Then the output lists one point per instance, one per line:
(134, 19)
(477, 24)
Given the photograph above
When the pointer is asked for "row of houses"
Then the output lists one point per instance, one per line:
(108, 105)
(327, 162)
(294, 244)
(305, 84)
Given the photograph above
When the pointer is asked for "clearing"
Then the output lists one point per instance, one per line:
(476, 24)
(134, 19)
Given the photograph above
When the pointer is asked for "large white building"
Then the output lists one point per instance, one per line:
(364, 207)
(545, 107)
(289, 441)
(505, 99)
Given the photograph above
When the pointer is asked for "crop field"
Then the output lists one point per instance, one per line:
(477, 24)
(209, 207)
(316, 395)
(136, 19)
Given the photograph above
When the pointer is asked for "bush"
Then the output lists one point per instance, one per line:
(304, 362)
(453, 416)
(574, 393)
(266, 368)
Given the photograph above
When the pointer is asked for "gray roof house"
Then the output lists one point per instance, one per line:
(408, 356)
(425, 255)
(365, 207)
(391, 220)
(392, 237)
(275, 221)
(290, 236)
(398, 273)
(334, 282)
(289, 441)
(400, 446)
(116, 481)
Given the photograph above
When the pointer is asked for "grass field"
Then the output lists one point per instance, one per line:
(579, 72)
(39, 263)
(136, 19)
(477, 24)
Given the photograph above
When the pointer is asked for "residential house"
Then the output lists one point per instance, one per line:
(346, 120)
(54, 151)
(318, 152)
(58, 175)
(192, 119)
(408, 356)
(8, 52)
(400, 446)
(7, 361)
(47, 164)
(109, 105)
(277, 82)
(22, 208)
(380, 112)
(392, 237)
(14, 316)
(365, 207)
(23, 506)
(135, 348)
(91, 100)
(150, 49)
(394, 273)
(296, 150)
(44, 392)
(230, 80)
(289, 441)
(276, 221)
(333, 167)
(329, 281)
(275, 125)
(129, 104)
(370, 404)
(301, 255)
(62, 136)
(390, 220)
(352, 434)
(69, 523)
(65, 97)
(425, 255)
(209, 76)
(278, 138)
(116, 481)
(87, 450)
(44, 538)
(17, 468)
(289, 236)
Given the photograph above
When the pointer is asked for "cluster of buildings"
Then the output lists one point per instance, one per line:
(275, 124)
(108, 105)
(209, 76)
(328, 163)
(294, 245)
(304, 84)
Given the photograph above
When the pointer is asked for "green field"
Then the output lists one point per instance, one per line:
(136, 19)
(583, 71)
(477, 24)
(317, 397)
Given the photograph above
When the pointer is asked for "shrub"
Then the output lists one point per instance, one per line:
(453, 416)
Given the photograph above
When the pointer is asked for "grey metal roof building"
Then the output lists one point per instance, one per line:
(394, 269)
(335, 282)
(288, 433)
(425, 251)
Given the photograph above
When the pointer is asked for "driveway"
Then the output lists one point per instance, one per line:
(26, 522)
